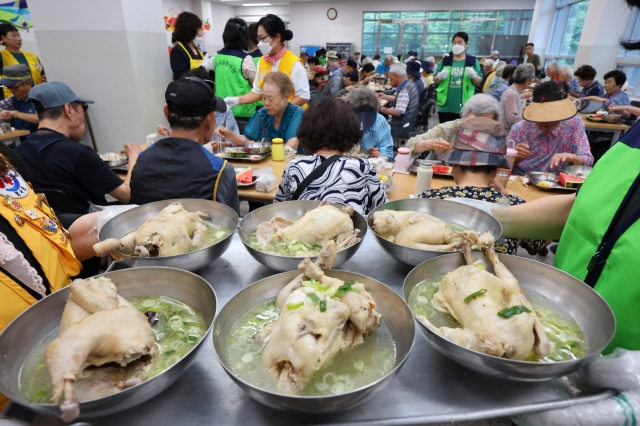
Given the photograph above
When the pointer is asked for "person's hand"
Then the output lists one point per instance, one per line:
(215, 146)
(438, 144)
(523, 151)
(470, 72)
(131, 150)
(498, 187)
(350, 88)
(222, 131)
(374, 153)
(563, 157)
(442, 75)
(615, 109)
(163, 130)
(232, 101)
(207, 63)
(6, 115)
(527, 94)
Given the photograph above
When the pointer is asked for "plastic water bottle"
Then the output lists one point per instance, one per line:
(390, 155)
(423, 180)
(383, 152)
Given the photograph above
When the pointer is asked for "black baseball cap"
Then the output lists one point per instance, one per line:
(193, 97)
(353, 64)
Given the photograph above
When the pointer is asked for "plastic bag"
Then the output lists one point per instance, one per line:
(109, 212)
(619, 371)
(152, 138)
(267, 180)
(289, 152)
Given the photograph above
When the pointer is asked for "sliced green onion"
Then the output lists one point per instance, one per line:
(306, 283)
(513, 310)
(479, 266)
(170, 352)
(219, 234)
(331, 291)
(314, 297)
(323, 306)
(193, 338)
(472, 296)
(292, 306)
(347, 286)
(148, 303)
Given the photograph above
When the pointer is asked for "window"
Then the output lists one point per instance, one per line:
(566, 30)
(430, 33)
(629, 61)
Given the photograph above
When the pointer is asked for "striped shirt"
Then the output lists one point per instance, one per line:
(378, 136)
(348, 181)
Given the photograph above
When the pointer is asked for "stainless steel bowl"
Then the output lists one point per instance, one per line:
(114, 163)
(30, 327)
(394, 310)
(461, 214)
(133, 219)
(291, 210)
(579, 171)
(543, 284)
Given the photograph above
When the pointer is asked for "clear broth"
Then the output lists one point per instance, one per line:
(349, 369)
(567, 339)
(178, 331)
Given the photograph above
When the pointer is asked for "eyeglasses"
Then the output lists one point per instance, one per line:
(14, 88)
(263, 38)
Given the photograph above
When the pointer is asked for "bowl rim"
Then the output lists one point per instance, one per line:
(370, 226)
(243, 235)
(128, 256)
(23, 401)
(507, 360)
(398, 365)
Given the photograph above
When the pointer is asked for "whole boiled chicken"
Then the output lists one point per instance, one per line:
(420, 231)
(104, 345)
(496, 317)
(317, 226)
(306, 337)
(172, 231)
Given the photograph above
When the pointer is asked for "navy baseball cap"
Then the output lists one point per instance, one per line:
(55, 94)
(352, 63)
(413, 68)
(12, 74)
(366, 117)
(193, 97)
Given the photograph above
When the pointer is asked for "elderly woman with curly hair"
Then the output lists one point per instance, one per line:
(328, 129)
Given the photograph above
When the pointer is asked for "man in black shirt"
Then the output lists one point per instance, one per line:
(57, 159)
(180, 166)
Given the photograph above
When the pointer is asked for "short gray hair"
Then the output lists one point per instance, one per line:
(431, 59)
(500, 70)
(488, 63)
(363, 97)
(567, 70)
(553, 66)
(398, 69)
(367, 61)
(389, 58)
(482, 105)
(523, 73)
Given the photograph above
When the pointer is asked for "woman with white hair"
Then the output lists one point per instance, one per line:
(440, 139)
(511, 99)
(566, 76)
(376, 131)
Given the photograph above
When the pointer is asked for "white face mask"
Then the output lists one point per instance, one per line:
(457, 49)
(198, 40)
(264, 47)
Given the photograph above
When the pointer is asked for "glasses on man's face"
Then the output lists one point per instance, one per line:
(16, 87)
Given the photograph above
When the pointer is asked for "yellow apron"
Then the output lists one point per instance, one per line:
(33, 61)
(193, 63)
(286, 66)
(49, 243)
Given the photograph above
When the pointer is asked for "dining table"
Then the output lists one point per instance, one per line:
(603, 126)
(14, 136)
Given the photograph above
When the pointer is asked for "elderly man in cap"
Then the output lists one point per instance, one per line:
(179, 166)
(495, 55)
(17, 78)
(551, 134)
(384, 67)
(406, 101)
(478, 151)
(57, 159)
(337, 82)
(376, 132)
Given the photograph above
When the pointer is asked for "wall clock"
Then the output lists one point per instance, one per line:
(332, 14)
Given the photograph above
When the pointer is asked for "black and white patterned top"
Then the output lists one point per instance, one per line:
(348, 181)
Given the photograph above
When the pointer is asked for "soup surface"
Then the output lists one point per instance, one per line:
(348, 370)
(566, 338)
(178, 329)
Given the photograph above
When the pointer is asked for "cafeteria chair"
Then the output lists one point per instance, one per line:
(242, 123)
(57, 200)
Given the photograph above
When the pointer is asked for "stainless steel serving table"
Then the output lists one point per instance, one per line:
(429, 388)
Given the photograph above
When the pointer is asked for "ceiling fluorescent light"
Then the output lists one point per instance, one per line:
(256, 4)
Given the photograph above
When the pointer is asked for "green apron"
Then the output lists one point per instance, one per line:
(593, 211)
(231, 82)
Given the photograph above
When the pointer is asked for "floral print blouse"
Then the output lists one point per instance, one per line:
(490, 195)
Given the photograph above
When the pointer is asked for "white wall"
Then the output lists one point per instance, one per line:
(541, 24)
(220, 14)
(311, 26)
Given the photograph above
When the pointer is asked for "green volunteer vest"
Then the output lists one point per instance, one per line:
(231, 82)
(594, 209)
(468, 88)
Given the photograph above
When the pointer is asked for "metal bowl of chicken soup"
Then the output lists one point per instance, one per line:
(280, 235)
(24, 371)
(166, 232)
(414, 226)
(345, 379)
(569, 326)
